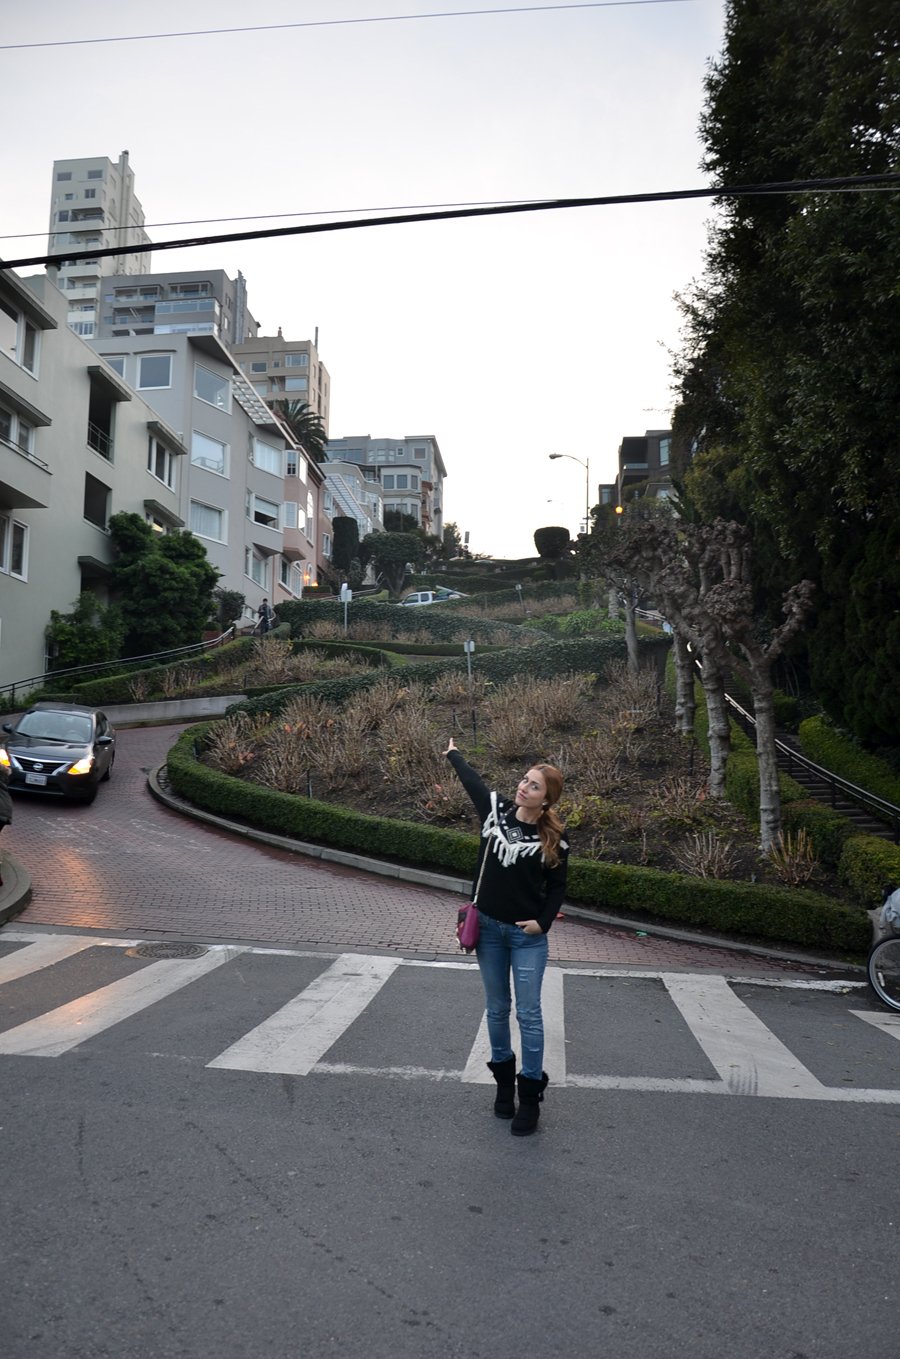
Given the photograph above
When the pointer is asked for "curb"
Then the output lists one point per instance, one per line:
(15, 890)
(157, 783)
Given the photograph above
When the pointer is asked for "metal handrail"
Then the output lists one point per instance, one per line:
(124, 664)
(871, 802)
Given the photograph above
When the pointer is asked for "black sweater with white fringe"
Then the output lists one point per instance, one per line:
(516, 883)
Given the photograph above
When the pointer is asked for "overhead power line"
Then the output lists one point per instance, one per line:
(335, 23)
(855, 183)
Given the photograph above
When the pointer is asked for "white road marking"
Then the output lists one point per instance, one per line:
(745, 1053)
(66, 1027)
(43, 953)
(885, 1021)
(476, 1071)
(293, 1039)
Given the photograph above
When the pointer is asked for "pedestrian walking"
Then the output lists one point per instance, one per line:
(265, 617)
(522, 881)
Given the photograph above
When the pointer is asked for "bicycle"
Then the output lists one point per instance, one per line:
(883, 968)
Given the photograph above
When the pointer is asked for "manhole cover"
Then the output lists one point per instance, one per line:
(164, 949)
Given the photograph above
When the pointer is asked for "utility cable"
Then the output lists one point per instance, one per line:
(335, 23)
(860, 183)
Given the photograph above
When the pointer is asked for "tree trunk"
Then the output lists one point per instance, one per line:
(767, 756)
(685, 672)
(631, 637)
(713, 681)
(612, 608)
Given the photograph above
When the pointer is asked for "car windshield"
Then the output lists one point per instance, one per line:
(51, 726)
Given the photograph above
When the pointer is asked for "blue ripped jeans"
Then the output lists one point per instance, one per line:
(501, 949)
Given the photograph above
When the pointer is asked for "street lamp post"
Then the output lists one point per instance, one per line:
(587, 483)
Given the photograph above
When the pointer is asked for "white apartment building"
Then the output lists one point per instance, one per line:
(350, 494)
(287, 370)
(93, 204)
(76, 446)
(410, 472)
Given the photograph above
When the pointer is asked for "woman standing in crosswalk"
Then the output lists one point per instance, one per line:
(522, 871)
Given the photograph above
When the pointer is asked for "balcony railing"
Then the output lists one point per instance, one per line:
(100, 440)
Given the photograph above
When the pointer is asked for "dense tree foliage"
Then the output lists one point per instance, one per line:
(163, 583)
(92, 632)
(344, 541)
(392, 554)
(789, 380)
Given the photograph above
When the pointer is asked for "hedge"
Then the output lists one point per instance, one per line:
(437, 619)
(830, 748)
(867, 864)
(750, 910)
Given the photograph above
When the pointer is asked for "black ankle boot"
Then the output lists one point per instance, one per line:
(504, 1074)
(531, 1095)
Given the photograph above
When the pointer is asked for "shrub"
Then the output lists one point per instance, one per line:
(866, 863)
(704, 855)
(833, 750)
(792, 858)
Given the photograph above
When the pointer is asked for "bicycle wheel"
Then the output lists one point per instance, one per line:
(883, 967)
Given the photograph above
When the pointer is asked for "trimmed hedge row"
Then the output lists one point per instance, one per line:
(116, 688)
(828, 747)
(796, 917)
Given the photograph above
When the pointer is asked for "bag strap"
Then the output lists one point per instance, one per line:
(487, 850)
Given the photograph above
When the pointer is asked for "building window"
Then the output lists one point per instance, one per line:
(207, 521)
(419, 454)
(255, 567)
(161, 463)
(267, 458)
(296, 360)
(665, 448)
(261, 388)
(90, 193)
(258, 366)
(290, 513)
(95, 174)
(309, 528)
(387, 481)
(96, 501)
(116, 363)
(15, 431)
(212, 388)
(19, 339)
(209, 453)
(154, 371)
(290, 462)
(13, 547)
(63, 176)
(402, 481)
(296, 384)
(326, 544)
(261, 511)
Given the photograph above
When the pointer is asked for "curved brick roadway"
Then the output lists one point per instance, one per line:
(127, 865)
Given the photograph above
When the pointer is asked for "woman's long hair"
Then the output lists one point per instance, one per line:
(550, 828)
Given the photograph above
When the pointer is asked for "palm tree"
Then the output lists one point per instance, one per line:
(306, 426)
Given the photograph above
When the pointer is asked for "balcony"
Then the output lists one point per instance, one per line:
(24, 479)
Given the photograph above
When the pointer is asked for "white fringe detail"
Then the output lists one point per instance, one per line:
(507, 851)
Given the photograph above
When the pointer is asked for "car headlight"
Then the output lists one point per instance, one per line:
(83, 766)
(4, 758)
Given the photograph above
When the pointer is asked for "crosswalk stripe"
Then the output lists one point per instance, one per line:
(42, 953)
(887, 1022)
(293, 1039)
(745, 1053)
(476, 1071)
(66, 1027)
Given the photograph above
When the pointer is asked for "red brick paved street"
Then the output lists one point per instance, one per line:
(128, 865)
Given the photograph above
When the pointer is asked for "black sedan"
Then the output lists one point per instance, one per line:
(59, 748)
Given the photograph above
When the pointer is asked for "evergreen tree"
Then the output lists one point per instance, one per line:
(164, 585)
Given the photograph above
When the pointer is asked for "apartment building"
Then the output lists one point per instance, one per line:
(350, 494)
(644, 468)
(93, 204)
(410, 472)
(287, 370)
(192, 302)
(76, 446)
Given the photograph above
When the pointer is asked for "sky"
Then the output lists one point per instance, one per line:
(508, 339)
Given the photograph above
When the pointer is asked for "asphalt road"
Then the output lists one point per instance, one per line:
(286, 1149)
